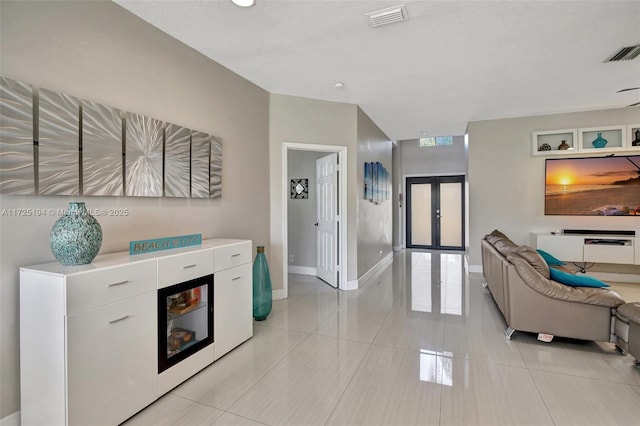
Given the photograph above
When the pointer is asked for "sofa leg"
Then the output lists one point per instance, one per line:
(620, 350)
(485, 284)
(508, 332)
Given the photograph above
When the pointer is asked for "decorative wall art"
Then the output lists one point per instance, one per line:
(17, 170)
(58, 139)
(101, 150)
(200, 151)
(376, 182)
(143, 169)
(108, 153)
(299, 188)
(177, 161)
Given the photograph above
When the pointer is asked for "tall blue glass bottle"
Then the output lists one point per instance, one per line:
(262, 292)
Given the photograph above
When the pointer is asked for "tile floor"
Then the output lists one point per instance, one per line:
(421, 344)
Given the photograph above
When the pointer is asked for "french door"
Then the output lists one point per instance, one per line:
(435, 212)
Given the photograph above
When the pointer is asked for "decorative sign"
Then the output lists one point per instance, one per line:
(167, 243)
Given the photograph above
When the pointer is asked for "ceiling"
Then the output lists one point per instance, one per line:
(452, 62)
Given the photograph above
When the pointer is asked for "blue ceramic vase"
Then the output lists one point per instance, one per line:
(599, 142)
(76, 237)
(262, 292)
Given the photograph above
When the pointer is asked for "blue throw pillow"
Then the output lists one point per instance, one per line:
(551, 261)
(575, 280)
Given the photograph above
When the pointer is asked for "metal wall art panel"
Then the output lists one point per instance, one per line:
(177, 152)
(101, 150)
(143, 170)
(215, 173)
(16, 138)
(200, 151)
(58, 144)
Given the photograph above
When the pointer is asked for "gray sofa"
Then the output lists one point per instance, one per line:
(519, 281)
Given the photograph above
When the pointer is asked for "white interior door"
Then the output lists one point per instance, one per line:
(327, 218)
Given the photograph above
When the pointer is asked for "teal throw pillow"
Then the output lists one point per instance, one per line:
(576, 280)
(551, 261)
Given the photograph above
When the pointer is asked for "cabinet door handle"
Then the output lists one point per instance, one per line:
(190, 266)
(118, 283)
(235, 255)
(236, 278)
(119, 319)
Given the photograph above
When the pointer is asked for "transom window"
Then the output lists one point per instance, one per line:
(436, 141)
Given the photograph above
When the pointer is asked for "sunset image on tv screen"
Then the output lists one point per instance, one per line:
(603, 186)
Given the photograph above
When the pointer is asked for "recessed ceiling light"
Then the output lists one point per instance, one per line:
(244, 3)
(338, 85)
(626, 90)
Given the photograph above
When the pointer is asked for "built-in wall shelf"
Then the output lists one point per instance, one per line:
(587, 140)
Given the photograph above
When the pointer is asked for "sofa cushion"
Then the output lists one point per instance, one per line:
(550, 259)
(534, 259)
(631, 311)
(575, 280)
(501, 242)
(555, 290)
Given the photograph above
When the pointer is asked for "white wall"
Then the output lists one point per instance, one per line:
(302, 214)
(374, 220)
(507, 182)
(99, 51)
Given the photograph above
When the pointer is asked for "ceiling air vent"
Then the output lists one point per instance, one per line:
(388, 15)
(626, 54)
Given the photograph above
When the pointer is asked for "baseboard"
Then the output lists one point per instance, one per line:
(352, 285)
(375, 269)
(475, 268)
(11, 420)
(613, 276)
(303, 270)
(277, 294)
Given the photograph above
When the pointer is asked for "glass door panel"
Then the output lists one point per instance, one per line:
(185, 320)
(421, 214)
(450, 214)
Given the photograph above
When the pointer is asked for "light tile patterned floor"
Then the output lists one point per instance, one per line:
(421, 344)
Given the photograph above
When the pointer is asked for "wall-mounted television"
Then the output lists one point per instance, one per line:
(594, 186)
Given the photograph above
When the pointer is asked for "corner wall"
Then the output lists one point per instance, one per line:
(101, 52)
(506, 182)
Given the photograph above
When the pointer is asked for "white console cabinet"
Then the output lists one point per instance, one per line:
(89, 334)
(618, 249)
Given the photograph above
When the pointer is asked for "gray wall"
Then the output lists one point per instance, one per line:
(507, 182)
(299, 120)
(99, 51)
(434, 160)
(375, 223)
(301, 214)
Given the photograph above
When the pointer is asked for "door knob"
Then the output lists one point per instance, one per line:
(315, 224)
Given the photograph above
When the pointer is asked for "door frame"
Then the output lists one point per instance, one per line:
(342, 214)
(465, 201)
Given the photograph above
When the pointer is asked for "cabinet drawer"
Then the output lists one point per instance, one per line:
(233, 255)
(97, 288)
(184, 267)
(109, 328)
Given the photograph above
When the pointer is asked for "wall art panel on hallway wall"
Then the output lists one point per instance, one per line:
(16, 138)
(143, 170)
(101, 150)
(58, 144)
